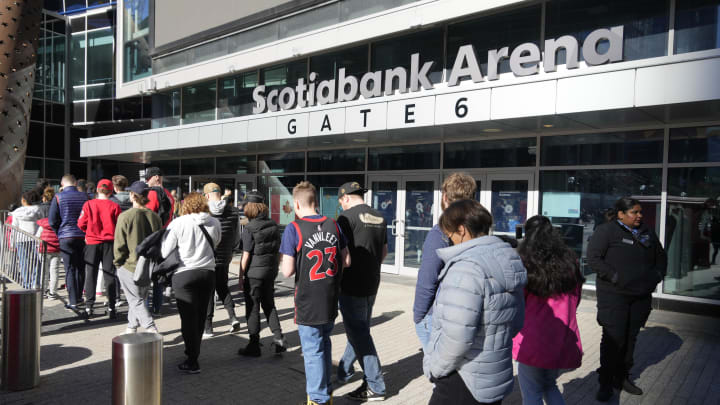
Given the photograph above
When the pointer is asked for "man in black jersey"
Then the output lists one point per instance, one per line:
(366, 232)
(314, 250)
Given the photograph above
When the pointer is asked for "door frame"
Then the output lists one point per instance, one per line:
(399, 232)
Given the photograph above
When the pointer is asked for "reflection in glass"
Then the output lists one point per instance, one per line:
(396, 52)
(198, 102)
(354, 60)
(692, 232)
(235, 165)
(136, 44)
(100, 56)
(278, 195)
(630, 147)
(328, 186)
(508, 200)
(166, 109)
(384, 199)
(336, 160)
(235, 96)
(77, 59)
(700, 144)
(201, 166)
(697, 25)
(406, 157)
(491, 153)
(494, 32)
(577, 201)
(645, 24)
(419, 200)
(282, 162)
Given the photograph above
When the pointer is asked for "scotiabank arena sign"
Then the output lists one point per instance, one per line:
(525, 60)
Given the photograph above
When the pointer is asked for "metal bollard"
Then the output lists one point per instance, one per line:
(21, 339)
(137, 363)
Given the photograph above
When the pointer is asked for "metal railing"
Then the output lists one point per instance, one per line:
(22, 258)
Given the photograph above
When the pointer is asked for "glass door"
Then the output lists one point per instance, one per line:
(510, 199)
(243, 185)
(409, 206)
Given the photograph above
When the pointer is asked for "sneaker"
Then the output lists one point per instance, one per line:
(280, 345)
(120, 303)
(168, 292)
(152, 329)
(112, 314)
(52, 296)
(208, 333)
(71, 307)
(365, 394)
(89, 311)
(129, 331)
(604, 393)
(188, 368)
(234, 326)
(629, 387)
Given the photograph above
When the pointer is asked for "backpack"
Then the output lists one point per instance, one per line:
(164, 204)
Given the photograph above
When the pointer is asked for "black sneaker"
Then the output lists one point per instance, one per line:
(280, 345)
(365, 394)
(112, 314)
(604, 393)
(630, 387)
(188, 368)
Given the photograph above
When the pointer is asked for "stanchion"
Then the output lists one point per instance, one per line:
(21, 339)
(137, 363)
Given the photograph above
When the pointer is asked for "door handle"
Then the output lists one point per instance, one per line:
(393, 225)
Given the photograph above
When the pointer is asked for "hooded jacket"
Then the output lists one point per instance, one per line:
(228, 217)
(25, 218)
(122, 198)
(184, 233)
(479, 308)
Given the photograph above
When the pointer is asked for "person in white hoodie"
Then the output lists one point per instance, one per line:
(24, 218)
(195, 234)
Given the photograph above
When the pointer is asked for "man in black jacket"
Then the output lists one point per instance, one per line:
(228, 217)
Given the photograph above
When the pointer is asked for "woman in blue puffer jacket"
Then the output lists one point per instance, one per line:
(478, 310)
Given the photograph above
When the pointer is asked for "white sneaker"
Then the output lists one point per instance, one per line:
(130, 330)
(234, 326)
(152, 329)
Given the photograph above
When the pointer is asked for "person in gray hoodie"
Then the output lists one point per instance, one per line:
(479, 308)
(24, 218)
(121, 197)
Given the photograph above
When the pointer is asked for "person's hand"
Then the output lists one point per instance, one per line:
(228, 192)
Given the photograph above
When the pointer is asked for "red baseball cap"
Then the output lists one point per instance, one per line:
(105, 184)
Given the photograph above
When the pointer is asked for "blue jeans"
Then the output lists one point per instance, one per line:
(538, 383)
(357, 312)
(317, 354)
(423, 329)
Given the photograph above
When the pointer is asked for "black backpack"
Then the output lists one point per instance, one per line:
(164, 204)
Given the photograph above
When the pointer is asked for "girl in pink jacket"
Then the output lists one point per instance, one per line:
(549, 340)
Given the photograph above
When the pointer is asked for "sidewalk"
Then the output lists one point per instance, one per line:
(677, 358)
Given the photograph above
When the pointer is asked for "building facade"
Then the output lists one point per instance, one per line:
(556, 107)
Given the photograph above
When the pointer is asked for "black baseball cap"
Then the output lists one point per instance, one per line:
(254, 197)
(153, 171)
(352, 187)
(138, 187)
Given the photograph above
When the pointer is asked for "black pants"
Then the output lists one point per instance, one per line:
(94, 254)
(452, 390)
(260, 292)
(621, 317)
(223, 292)
(71, 250)
(193, 290)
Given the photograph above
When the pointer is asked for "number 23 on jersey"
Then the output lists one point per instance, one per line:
(321, 268)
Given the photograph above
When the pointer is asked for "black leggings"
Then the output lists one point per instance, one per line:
(452, 390)
(193, 290)
(260, 292)
(223, 292)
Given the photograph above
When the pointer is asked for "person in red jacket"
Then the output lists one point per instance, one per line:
(97, 220)
(53, 260)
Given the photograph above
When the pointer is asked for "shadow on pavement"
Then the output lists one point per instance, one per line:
(52, 356)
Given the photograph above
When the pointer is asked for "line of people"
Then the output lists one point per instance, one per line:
(481, 301)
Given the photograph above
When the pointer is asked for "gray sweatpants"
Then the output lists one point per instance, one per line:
(138, 314)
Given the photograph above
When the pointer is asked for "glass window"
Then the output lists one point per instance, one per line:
(75, 5)
(494, 32)
(54, 5)
(491, 153)
(75, 135)
(77, 60)
(252, 38)
(78, 112)
(100, 91)
(55, 169)
(645, 24)
(129, 108)
(278, 195)
(201, 166)
(166, 109)
(597, 149)
(406, 157)
(235, 96)
(79, 169)
(350, 9)
(236, 165)
(283, 75)
(77, 24)
(101, 20)
(57, 112)
(692, 232)
(198, 102)
(35, 140)
(35, 165)
(700, 144)
(697, 25)
(327, 188)
(309, 20)
(55, 142)
(576, 201)
(167, 167)
(282, 162)
(100, 56)
(37, 112)
(136, 55)
(354, 60)
(336, 160)
(100, 110)
(395, 52)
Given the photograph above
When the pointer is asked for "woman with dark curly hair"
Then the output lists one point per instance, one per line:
(550, 339)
